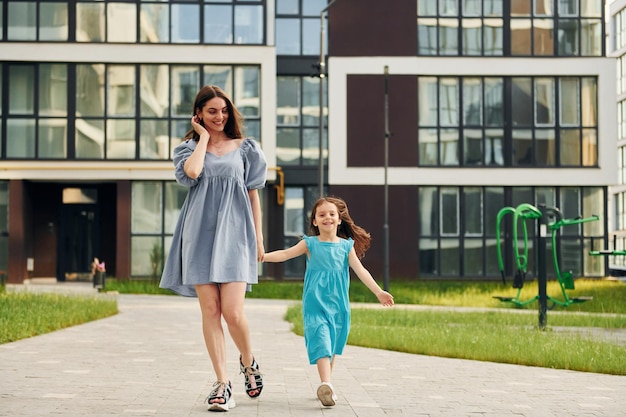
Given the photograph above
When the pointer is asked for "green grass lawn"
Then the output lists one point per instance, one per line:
(25, 314)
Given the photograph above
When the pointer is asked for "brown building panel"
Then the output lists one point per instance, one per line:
(366, 120)
(366, 205)
(356, 28)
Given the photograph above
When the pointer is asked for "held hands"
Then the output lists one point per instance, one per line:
(385, 298)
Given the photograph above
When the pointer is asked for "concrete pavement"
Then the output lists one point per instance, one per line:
(150, 360)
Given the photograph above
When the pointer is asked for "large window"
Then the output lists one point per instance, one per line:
(553, 121)
(458, 229)
(298, 27)
(139, 21)
(510, 28)
(297, 120)
(119, 111)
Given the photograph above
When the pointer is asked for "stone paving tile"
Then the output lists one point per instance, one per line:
(150, 360)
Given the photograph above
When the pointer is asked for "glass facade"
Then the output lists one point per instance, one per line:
(510, 28)
(113, 111)
(298, 27)
(220, 22)
(457, 229)
(553, 121)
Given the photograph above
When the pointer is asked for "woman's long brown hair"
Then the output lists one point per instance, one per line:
(347, 228)
(234, 123)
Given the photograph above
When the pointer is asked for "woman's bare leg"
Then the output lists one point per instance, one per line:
(210, 306)
(232, 298)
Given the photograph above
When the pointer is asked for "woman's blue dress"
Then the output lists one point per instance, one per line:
(215, 239)
(325, 299)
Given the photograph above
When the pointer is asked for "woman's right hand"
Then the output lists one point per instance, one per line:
(197, 125)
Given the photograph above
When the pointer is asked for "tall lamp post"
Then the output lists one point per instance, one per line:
(321, 98)
(386, 222)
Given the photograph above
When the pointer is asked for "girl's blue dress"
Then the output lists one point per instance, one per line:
(325, 301)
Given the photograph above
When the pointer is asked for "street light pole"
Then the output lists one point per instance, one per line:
(321, 98)
(386, 223)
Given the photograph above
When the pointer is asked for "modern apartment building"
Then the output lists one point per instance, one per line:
(617, 49)
(486, 104)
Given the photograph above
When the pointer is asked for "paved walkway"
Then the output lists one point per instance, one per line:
(150, 360)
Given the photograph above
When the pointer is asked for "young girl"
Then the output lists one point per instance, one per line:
(336, 245)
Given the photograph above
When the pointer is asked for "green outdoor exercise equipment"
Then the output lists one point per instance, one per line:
(548, 218)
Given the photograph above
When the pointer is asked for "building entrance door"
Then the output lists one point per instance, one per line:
(78, 240)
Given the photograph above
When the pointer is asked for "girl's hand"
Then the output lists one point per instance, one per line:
(385, 298)
(260, 248)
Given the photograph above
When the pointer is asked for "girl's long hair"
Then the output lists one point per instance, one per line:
(234, 123)
(347, 228)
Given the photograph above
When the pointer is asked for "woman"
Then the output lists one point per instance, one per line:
(218, 240)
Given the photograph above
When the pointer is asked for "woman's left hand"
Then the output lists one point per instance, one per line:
(260, 250)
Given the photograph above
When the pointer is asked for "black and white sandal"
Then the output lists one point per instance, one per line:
(221, 391)
(250, 372)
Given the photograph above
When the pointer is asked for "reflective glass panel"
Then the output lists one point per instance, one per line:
(154, 90)
(20, 139)
(589, 100)
(569, 147)
(590, 147)
(427, 36)
(545, 147)
(569, 98)
(472, 147)
(52, 138)
(494, 93)
(543, 37)
(522, 147)
(568, 37)
(252, 129)
(544, 102)
(218, 24)
(287, 6)
(89, 22)
(120, 139)
(311, 37)
(288, 146)
(175, 195)
(449, 208)
(492, 37)
(448, 36)
(21, 88)
(154, 139)
(287, 36)
(494, 201)
(311, 146)
(22, 21)
(121, 90)
(147, 206)
(155, 23)
(449, 102)
(568, 7)
(249, 25)
(89, 139)
(185, 84)
(591, 8)
(53, 23)
(52, 90)
(288, 101)
(472, 37)
(471, 7)
(313, 7)
(521, 102)
(591, 37)
(473, 211)
(219, 75)
(428, 212)
(90, 90)
(141, 249)
(185, 23)
(472, 101)
(448, 7)
(248, 91)
(122, 22)
(427, 141)
(520, 37)
(311, 101)
(449, 146)
(494, 147)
